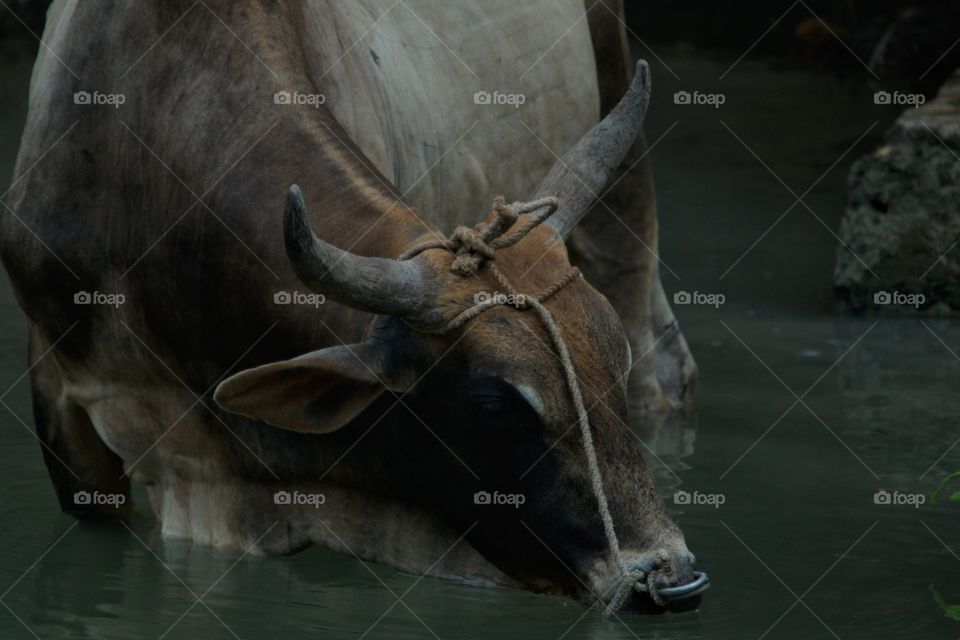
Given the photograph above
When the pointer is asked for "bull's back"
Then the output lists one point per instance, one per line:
(459, 104)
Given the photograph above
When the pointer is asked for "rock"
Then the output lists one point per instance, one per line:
(902, 218)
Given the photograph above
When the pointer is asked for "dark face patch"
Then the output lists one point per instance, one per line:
(490, 471)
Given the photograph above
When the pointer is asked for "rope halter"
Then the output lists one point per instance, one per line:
(475, 248)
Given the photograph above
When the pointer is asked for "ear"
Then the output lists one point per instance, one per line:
(317, 392)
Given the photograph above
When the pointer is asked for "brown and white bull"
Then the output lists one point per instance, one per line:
(144, 239)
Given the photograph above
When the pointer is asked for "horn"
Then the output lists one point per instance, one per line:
(377, 285)
(578, 178)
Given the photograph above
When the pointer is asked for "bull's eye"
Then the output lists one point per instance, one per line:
(491, 406)
(494, 402)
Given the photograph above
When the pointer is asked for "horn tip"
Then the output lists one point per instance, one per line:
(295, 193)
(641, 79)
(642, 67)
(297, 232)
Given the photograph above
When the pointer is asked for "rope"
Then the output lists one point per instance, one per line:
(472, 247)
(475, 248)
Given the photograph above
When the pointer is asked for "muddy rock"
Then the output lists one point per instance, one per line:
(901, 226)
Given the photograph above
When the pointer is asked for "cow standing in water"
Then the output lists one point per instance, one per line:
(391, 119)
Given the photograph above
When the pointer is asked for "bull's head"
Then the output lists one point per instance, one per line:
(494, 393)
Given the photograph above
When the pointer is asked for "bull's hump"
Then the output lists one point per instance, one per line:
(460, 105)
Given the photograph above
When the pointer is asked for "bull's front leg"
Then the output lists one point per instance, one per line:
(79, 463)
(616, 247)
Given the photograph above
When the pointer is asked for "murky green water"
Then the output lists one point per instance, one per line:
(798, 549)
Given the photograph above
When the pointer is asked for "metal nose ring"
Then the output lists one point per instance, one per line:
(700, 583)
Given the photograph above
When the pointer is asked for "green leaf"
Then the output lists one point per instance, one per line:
(933, 497)
(956, 496)
(951, 611)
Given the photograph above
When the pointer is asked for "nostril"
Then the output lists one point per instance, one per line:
(679, 568)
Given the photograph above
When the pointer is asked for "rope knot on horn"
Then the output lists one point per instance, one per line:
(476, 247)
(472, 247)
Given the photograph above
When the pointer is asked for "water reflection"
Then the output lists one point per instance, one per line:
(66, 593)
(901, 427)
(667, 441)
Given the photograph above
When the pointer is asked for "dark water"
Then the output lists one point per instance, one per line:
(798, 549)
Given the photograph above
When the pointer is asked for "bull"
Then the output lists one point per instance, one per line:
(260, 423)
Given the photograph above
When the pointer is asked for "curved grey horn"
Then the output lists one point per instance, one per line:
(378, 285)
(580, 176)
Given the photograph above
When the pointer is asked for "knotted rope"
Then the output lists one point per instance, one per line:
(475, 248)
